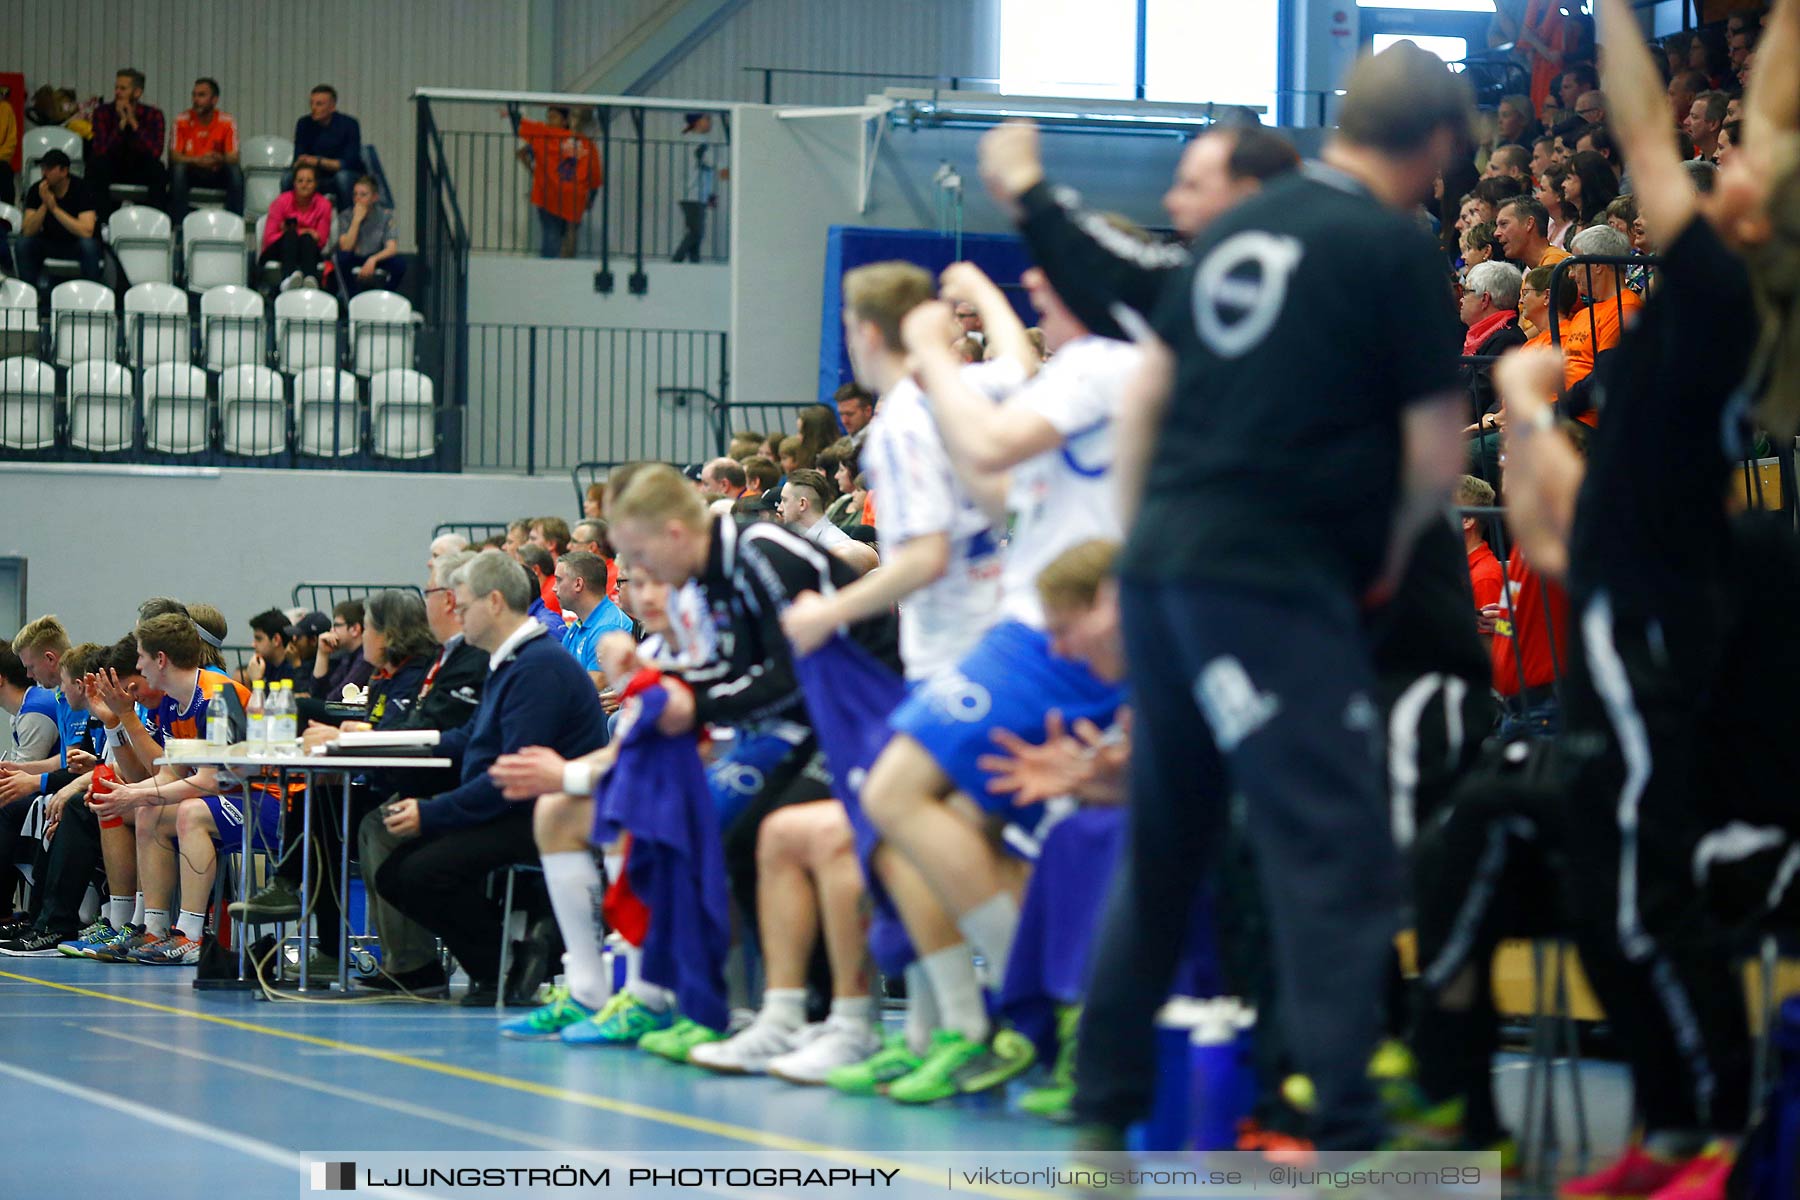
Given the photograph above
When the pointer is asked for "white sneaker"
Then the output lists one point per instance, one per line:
(836, 1045)
(749, 1052)
(292, 282)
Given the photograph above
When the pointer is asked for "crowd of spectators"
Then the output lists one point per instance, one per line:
(328, 216)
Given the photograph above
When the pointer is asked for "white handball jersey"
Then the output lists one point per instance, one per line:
(917, 494)
(1068, 495)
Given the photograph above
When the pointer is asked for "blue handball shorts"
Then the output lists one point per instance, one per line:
(228, 820)
(737, 776)
(1010, 681)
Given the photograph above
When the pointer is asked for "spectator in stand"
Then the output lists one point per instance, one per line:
(60, 221)
(1705, 118)
(701, 191)
(1576, 82)
(805, 498)
(855, 409)
(1534, 303)
(818, 427)
(204, 152)
(1595, 329)
(1485, 575)
(9, 145)
(1520, 229)
(789, 457)
(272, 661)
(846, 511)
(593, 501)
(566, 173)
(1511, 161)
(127, 146)
(1682, 90)
(331, 143)
(1600, 142)
(552, 533)
(1543, 156)
(1589, 187)
(589, 534)
(1515, 121)
(367, 251)
(1559, 213)
(444, 846)
(517, 534)
(296, 234)
(744, 445)
(303, 644)
(1591, 107)
(1568, 134)
(1478, 245)
(761, 474)
(1708, 55)
(581, 580)
(1489, 310)
(1527, 649)
(545, 610)
(722, 478)
(339, 661)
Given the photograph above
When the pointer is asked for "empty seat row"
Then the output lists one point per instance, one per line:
(252, 406)
(233, 322)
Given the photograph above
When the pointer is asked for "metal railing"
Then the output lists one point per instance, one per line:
(543, 398)
(476, 531)
(495, 177)
(803, 86)
(323, 597)
(443, 275)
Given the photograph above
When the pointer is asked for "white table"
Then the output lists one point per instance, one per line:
(237, 759)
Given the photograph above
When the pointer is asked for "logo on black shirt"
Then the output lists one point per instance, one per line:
(1239, 289)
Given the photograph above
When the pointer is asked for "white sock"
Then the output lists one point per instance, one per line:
(855, 1011)
(958, 992)
(156, 922)
(137, 909)
(574, 884)
(191, 924)
(118, 911)
(655, 998)
(990, 927)
(784, 1008)
(921, 1008)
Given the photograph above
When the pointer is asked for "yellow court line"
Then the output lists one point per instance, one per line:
(645, 1112)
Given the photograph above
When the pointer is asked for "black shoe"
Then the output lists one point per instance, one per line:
(273, 904)
(481, 994)
(530, 970)
(34, 944)
(17, 927)
(428, 980)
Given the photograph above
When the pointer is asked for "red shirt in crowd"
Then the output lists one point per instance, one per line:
(1522, 623)
(1485, 575)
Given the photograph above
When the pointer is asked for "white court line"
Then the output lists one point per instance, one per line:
(403, 1107)
(243, 1145)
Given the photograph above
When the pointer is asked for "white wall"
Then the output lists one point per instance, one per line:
(100, 539)
(508, 289)
(268, 55)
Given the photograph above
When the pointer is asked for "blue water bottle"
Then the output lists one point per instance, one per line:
(1217, 1067)
(1166, 1129)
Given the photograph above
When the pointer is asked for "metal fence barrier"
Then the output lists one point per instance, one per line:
(543, 398)
(323, 597)
(476, 531)
(494, 181)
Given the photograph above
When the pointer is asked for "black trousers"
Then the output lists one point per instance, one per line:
(290, 252)
(1272, 697)
(13, 850)
(440, 881)
(126, 166)
(1485, 867)
(693, 214)
(1637, 696)
(66, 868)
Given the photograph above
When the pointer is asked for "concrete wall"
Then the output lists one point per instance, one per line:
(508, 289)
(100, 539)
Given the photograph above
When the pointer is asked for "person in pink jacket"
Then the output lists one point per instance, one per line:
(295, 237)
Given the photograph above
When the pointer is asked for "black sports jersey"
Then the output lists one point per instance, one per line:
(752, 572)
(1650, 526)
(1309, 319)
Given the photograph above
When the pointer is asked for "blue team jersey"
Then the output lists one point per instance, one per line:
(582, 638)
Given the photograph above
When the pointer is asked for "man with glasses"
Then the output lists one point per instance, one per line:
(1591, 107)
(339, 660)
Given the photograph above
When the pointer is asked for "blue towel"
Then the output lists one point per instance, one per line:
(850, 696)
(675, 868)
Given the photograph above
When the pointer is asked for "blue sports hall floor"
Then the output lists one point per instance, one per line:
(126, 1081)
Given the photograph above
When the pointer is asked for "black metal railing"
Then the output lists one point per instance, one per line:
(443, 277)
(495, 175)
(254, 388)
(543, 398)
(799, 85)
(476, 531)
(323, 597)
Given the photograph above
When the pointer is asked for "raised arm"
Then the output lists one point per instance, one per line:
(1637, 108)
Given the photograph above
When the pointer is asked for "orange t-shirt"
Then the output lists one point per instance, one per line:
(1591, 330)
(1552, 256)
(217, 136)
(566, 169)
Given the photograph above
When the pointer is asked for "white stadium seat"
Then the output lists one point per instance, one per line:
(326, 414)
(100, 406)
(402, 414)
(83, 323)
(177, 417)
(156, 324)
(27, 404)
(231, 327)
(381, 331)
(18, 318)
(213, 242)
(36, 142)
(144, 243)
(305, 329)
(265, 160)
(252, 411)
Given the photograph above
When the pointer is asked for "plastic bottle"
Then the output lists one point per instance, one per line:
(282, 721)
(218, 721)
(257, 735)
